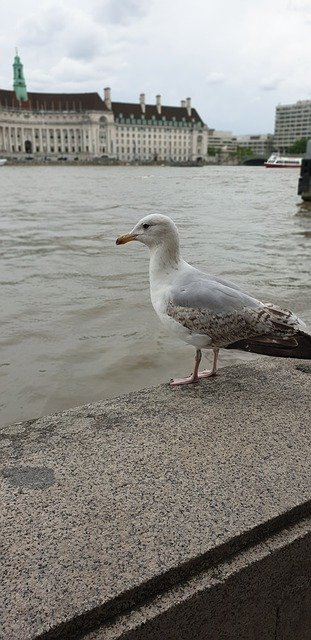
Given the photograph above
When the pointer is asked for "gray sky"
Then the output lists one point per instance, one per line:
(237, 59)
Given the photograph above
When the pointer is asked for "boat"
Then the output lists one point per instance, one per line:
(2, 161)
(283, 162)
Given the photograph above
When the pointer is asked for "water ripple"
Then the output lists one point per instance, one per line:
(77, 308)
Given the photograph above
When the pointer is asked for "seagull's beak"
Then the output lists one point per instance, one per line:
(128, 237)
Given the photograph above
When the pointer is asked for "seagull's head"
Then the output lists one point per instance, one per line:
(152, 230)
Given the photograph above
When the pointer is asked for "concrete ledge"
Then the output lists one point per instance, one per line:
(167, 513)
(261, 593)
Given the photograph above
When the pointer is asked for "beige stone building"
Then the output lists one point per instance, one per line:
(226, 142)
(85, 126)
(260, 144)
(222, 141)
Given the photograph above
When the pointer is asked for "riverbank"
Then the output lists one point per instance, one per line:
(113, 162)
(165, 513)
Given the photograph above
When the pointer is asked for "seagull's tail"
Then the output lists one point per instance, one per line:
(297, 346)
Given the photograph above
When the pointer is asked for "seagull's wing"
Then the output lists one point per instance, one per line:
(216, 308)
(198, 290)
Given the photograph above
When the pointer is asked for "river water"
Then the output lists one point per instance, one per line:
(77, 324)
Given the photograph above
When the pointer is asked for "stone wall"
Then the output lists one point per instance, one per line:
(164, 514)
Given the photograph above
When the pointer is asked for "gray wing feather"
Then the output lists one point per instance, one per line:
(214, 295)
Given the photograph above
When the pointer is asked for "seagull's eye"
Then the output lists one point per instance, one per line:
(146, 226)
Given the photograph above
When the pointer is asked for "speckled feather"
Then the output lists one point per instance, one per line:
(237, 325)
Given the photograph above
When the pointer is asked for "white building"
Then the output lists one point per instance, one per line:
(261, 144)
(292, 122)
(85, 126)
(225, 142)
(222, 141)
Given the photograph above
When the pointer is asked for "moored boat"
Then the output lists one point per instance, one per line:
(283, 162)
(2, 161)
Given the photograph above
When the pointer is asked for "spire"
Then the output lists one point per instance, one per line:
(19, 85)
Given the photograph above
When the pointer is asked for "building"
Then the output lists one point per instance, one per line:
(292, 122)
(84, 125)
(260, 145)
(222, 141)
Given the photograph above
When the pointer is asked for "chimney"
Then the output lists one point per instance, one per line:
(142, 102)
(107, 94)
(183, 104)
(158, 103)
(188, 105)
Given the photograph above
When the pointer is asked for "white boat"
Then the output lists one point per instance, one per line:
(277, 161)
(2, 161)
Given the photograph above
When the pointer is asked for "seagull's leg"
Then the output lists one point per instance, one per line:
(208, 373)
(194, 376)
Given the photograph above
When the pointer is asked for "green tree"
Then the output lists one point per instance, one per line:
(211, 151)
(299, 146)
(243, 152)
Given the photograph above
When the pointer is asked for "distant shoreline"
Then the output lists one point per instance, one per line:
(113, 163)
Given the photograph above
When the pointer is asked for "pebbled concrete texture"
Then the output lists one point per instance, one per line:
(109, 506)
(261, 593)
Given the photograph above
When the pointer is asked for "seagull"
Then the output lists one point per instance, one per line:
(209, 312)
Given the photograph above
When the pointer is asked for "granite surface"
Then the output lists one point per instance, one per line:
(261, 593)
(107, 505)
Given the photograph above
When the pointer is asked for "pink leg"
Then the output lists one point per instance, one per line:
(194, 376)
(208, 373)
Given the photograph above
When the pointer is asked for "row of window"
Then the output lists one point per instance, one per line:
(292, 122)
(152, 149)
(51, 134)
(294, 112)
(37, 149)
(154, 135)
(58, 138)
(156, 123)
(303, 133)
(146, 156)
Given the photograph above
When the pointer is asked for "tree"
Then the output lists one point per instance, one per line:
(299, 146)
(243, 152)
(211, 151)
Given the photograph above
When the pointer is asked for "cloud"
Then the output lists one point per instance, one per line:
(300, 5)
(175, 48)
(123, 11)
(42, 29)
(214, 77)
(270, 84)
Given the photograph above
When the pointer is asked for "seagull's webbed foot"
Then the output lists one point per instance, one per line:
(208, 373)
(194, 376)
(175, 382)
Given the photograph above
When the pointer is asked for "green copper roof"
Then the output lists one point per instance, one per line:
(19, 84)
